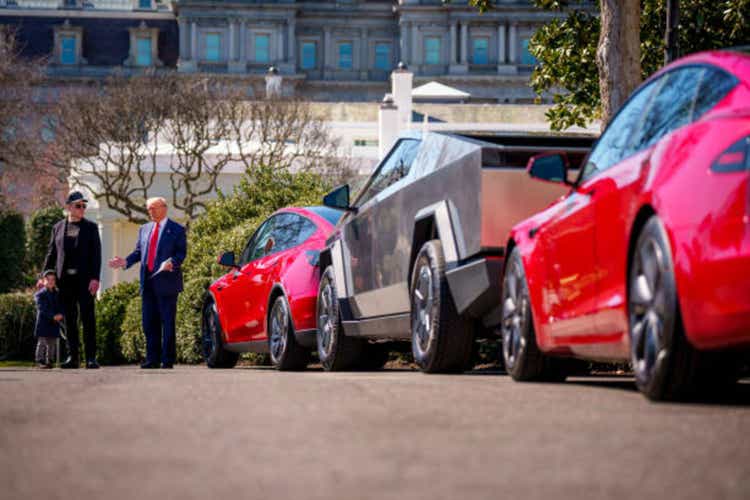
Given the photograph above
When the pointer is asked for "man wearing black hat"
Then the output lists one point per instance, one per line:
(75, 253)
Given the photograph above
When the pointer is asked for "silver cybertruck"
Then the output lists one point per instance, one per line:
(419, 253)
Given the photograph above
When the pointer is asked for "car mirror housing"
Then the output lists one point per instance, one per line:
(227, 260)
(550, 167)
(338, 198)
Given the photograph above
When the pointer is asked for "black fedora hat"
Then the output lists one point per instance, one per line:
(75, 196)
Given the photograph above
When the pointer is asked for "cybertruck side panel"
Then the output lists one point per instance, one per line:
(508, 196)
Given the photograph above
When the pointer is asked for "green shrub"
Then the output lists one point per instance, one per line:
(133, 341)
(110, 314)
(226, 226)
(39, 232)
(17, 317)
(12, 250)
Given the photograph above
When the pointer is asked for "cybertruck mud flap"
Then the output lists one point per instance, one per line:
(475, 285)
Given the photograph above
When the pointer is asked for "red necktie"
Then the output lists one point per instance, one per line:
(152, 247)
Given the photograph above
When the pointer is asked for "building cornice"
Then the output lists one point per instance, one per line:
(88, 14)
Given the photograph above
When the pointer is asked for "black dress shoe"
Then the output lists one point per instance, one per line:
(70, 363)
(167, 366)
(92, 364)
(149, 366)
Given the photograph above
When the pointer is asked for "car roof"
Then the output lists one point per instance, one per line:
(732, 60)
(318, 213)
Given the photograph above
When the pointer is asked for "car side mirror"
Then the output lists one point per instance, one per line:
(550, 167)
(338, 198)
(227, 260)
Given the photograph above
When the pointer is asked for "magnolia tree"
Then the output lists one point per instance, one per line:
(117, 139)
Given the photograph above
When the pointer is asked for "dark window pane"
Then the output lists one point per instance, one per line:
(290, 230)
(612, 146)
(330, 214)
(254, 246)
(714, 85)
(395, 167)
(671, 109)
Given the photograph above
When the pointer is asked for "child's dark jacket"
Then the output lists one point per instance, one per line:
(47, 306)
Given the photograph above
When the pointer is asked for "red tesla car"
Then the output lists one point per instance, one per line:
(647, 258)
(266, 302)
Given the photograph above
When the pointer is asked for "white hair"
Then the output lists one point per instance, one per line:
(156, 199)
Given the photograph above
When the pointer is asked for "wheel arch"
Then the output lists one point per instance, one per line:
(641, 217)
(277, 290)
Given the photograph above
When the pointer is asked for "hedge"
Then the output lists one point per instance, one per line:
(12, 250)
(110, 314)
(17, 317)
(39, 232)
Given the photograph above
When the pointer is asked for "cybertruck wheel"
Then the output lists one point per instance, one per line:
(523, 359)
(286, 353)
(442, 340)
(212, 345)
(666, 365)
(336, 351)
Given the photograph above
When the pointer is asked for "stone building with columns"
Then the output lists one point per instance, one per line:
(330, 50)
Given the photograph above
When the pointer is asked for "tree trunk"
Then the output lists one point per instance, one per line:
(618, 56)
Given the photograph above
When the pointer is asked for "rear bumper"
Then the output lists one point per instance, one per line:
(475, 285)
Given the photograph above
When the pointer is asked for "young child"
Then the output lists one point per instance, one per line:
(48, 317)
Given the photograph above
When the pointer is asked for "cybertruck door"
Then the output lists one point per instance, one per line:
(392, 236)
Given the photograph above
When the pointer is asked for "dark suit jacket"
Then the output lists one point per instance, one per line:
(89, 261)
(172, 245)
(47, 306)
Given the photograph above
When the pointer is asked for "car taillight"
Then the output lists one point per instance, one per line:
(736, 158)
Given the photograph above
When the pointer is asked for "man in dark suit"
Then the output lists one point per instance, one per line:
(160, 249)
(75, 253)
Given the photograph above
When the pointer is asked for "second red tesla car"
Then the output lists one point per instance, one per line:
(266, 302)
(647, 258)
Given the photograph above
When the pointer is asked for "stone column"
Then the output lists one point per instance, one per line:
(513, 44)
(236, 57)
(401, 87)
(454, 43)
(465, 42)
(183, 27)
(194, 56)
(231, 40)
(364, 55)
(243, 41)
(280, 45)
(416, 52)
(404, 43)
(326, 51)
(291, 45)
(503, 68)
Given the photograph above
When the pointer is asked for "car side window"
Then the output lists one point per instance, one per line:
(290, 230)
(258, 246)
(612, 146)
(672, 107)
(714, 85)
(247, 252)
(394, 168)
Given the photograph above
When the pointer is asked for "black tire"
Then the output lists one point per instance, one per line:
(665, 364)
(212, 344)
(442, 340)
(523, 359)
(374, 356)
(336, 351)
(286, 354)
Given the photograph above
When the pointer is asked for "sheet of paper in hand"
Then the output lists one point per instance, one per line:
(161, 268)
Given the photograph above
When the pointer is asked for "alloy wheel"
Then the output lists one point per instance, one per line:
(423, 313)
(648, 300)
(210, 329)
(279, 329)
(514, 314)
(326, 317)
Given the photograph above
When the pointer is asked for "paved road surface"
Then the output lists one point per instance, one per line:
(255, 433)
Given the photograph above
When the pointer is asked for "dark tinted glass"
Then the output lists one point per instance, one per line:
(551, 168)
(255, 245)
(330, 214)
(612, 146)
(714, 85)
(395, 167)
(671, 109)
(290, 230)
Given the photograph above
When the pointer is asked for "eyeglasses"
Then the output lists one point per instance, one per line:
(79, 205)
